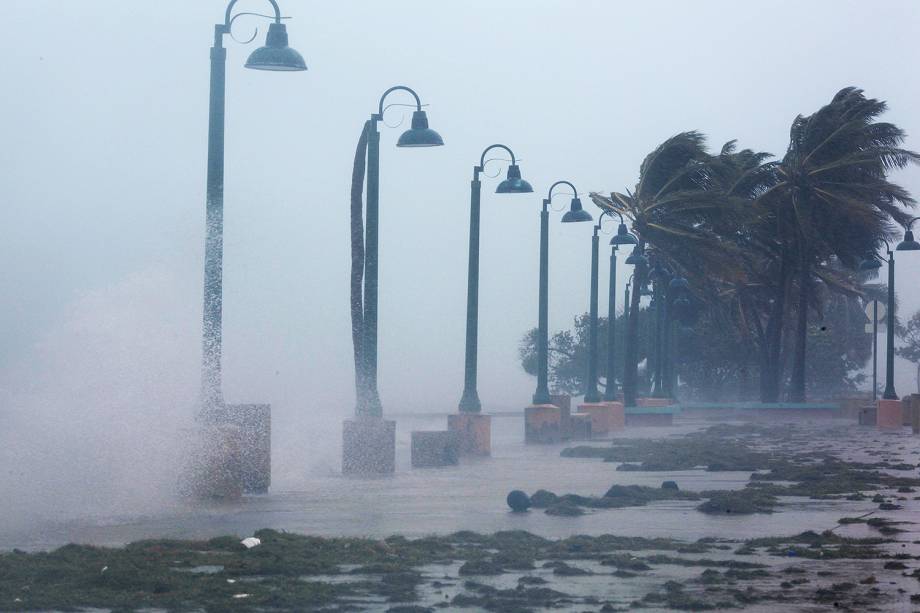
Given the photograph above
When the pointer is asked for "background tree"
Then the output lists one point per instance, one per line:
(712, 366)
(568, 352)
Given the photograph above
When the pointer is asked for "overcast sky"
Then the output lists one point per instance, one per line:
(104, 127)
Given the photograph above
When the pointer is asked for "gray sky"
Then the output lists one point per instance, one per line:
(104, 122)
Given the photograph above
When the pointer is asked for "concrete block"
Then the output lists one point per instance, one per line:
(889, 414)
(255, 424)
(850, 407)
(368, 446)
(617, 415)
(434, 449)
(564, 402)
(580, 427)
(212, 465)
(543, 424)
(905, 411)
(601, 417)
(868, 415)
(474, 431)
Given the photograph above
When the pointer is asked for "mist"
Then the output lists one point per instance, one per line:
(105, 127)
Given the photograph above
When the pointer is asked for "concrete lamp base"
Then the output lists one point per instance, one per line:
(601, 417)
(564, 402)
(368, 446)
(889, 415)
(580, 427)
(435, 449)
(617, 415)
(255, 424)
(213, 468)
(474, 431)
(543, 424)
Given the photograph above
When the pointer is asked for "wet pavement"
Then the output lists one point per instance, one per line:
(417, 502)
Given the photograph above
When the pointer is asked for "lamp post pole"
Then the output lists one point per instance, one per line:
(874, 350)
(513, 184)
(610, 390)
(591, 393)
(889, 393)
(276, 56)
(575, 214)
(419, 135)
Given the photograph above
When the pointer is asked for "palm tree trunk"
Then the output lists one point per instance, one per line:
(771, 368)
(357, 266)
(797, 383)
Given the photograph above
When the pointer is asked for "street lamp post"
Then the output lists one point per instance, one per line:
(639, 260)
(908, 244)
(576, 213)
(513, 184)
(889, 411)
(418, 135)
(369, 443)
(276, 55)
(473, 429)
(609, 414)
(622, 237)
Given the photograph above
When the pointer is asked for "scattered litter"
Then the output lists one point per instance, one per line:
(231, 580)
(104, 568)
(250, 542)
(241, 595)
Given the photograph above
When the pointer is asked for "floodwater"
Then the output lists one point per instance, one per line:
(416, 502)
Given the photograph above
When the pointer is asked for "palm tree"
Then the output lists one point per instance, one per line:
(832, 198)
(676, 209)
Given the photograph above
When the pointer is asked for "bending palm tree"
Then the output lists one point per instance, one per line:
(833, 197)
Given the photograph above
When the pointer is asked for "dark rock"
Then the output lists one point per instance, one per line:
(518, 501)
(670, 485)
(564, 509)
(542, 499)
(480, 567)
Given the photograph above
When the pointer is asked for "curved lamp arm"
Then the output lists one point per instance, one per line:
(549, 195)
(229, 14)
(418, 102)
(482, 158)
(911, 222)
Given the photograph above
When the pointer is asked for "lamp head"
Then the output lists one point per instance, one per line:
(514, 184)
(637, 259)
(908, 244)
(576, 212)
(678, 283)
(276, 55)
(420, 135)
(623, 237)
